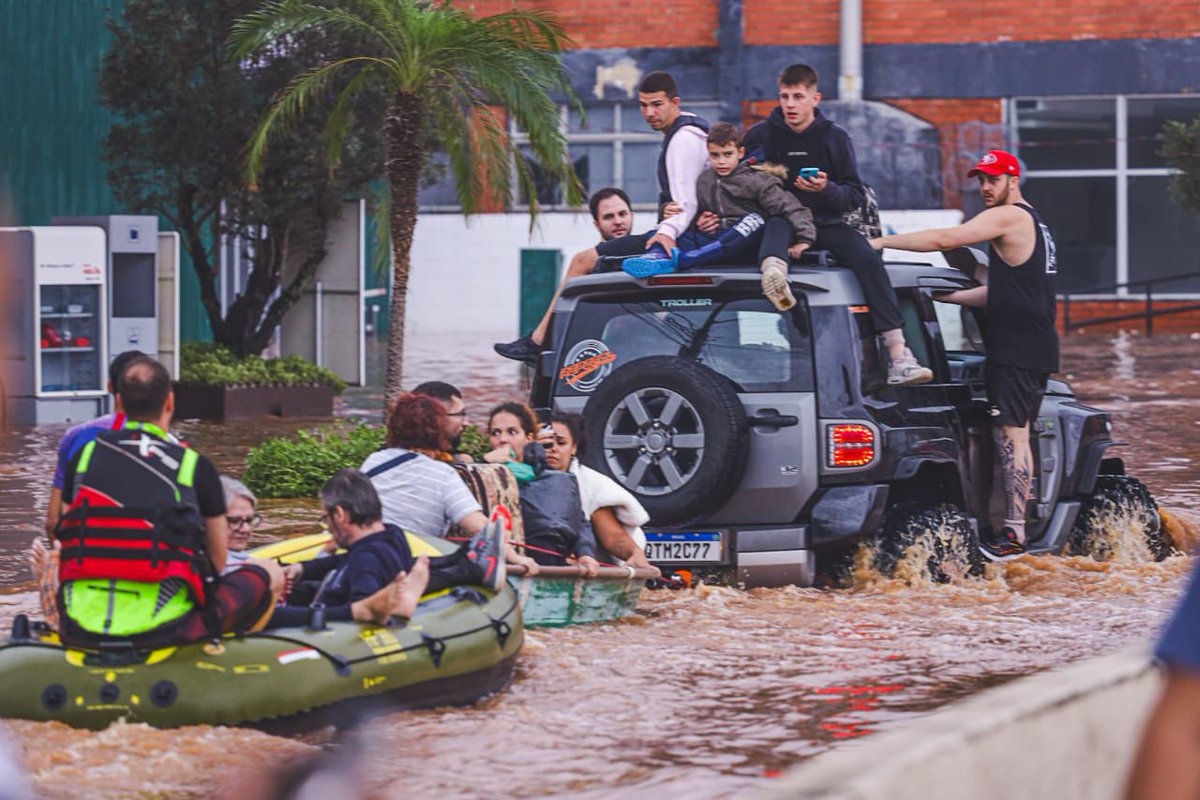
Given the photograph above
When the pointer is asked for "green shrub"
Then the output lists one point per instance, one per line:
(214, 365)
(299, 466)
(1181, 149)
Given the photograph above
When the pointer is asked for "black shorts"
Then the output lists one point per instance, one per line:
(1014, 394)
(622, 247)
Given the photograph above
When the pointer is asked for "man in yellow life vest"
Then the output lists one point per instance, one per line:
(144, 535)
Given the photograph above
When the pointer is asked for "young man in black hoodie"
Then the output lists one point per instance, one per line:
(738, 199)
(798, 137)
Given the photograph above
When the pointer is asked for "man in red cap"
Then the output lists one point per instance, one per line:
(1021, 340)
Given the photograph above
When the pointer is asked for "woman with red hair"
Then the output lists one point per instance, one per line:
(419, 492)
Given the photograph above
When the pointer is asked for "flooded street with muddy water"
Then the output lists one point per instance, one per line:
(705, 693)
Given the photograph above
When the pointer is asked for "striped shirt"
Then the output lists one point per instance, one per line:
(421, 495)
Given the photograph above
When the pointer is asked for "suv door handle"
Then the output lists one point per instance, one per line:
(774, 421)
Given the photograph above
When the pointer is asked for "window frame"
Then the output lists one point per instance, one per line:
(582, 327)
(1121, 172)
(618, 138)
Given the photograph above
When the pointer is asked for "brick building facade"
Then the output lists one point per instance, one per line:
(1079, 88)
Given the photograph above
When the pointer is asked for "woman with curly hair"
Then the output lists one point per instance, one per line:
(512, 427)
(555, 527)
(419, 492)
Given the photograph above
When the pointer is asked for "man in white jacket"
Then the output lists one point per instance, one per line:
(681, 159)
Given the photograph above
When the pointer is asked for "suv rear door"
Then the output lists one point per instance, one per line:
(735, 332)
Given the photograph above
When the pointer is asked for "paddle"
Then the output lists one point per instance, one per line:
(576, 571)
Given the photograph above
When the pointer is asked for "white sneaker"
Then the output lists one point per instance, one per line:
(775, 284)
(908, 371)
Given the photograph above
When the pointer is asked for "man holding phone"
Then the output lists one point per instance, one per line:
(823, 175)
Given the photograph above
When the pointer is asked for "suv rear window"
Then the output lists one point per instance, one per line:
(739, 336)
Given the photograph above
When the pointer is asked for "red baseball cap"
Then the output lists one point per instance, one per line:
(996, 162)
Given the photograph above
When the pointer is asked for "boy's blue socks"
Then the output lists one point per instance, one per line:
(656, 261)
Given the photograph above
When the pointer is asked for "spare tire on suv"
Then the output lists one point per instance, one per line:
(671, 431)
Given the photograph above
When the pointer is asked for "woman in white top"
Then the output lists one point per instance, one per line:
(616, 515)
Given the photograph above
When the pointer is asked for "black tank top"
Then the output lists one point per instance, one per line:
(1022, 303)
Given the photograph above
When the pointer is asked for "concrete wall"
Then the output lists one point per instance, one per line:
(466, 273)
(1067, 734)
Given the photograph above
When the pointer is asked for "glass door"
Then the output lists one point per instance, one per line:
(70, 338)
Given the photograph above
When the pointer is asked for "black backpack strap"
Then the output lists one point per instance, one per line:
(391, 464)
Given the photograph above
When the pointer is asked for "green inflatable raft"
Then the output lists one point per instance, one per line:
(459, 646)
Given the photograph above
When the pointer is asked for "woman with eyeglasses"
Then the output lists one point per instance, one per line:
(241, 512)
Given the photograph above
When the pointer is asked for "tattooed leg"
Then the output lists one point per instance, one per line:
(1016, 464)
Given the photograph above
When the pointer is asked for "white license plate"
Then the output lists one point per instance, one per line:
(699, 546)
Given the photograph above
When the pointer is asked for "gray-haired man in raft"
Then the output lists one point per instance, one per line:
(378, 576)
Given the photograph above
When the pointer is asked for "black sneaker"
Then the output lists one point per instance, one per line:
(1002, 546)
(486, 552)
(523, 349)
(610, 263)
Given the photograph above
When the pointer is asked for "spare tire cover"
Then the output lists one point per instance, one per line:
(671, 431)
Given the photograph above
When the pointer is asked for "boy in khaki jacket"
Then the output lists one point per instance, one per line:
(734, 202)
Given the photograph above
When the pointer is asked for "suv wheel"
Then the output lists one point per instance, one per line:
(1119, 506)
(937, 541)
(671, 431)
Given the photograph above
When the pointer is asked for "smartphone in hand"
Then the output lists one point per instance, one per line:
(809, 173)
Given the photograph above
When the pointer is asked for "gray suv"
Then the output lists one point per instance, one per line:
(764, 444)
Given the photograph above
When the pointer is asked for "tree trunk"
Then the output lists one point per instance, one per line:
(290, 293)
(405, 158)
(190, 222)
(251, 318)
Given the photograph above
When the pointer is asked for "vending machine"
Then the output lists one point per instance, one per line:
(132, 273)
(53, 336)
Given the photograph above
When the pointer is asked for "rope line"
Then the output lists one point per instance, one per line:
(339, 662)
(535, 548)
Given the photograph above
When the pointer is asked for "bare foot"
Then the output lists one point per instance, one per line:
(412, 586)
(377, 608)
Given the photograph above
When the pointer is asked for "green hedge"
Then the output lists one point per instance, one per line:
(298, 466)
(214, 365)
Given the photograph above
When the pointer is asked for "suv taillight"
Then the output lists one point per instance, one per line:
(850, 445)
(680, 280)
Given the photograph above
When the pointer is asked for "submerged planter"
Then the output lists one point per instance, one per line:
(198, 401)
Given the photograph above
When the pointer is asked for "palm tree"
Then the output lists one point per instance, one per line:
(444, 72)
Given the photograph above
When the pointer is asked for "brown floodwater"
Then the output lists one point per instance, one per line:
(707, 692)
